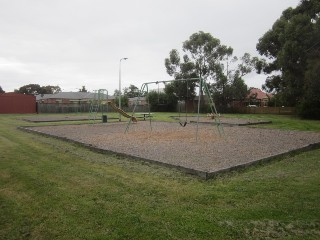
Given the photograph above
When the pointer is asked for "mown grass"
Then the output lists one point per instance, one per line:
(57, 190)
(286, 122)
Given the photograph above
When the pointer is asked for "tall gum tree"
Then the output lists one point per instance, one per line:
(292, 51)
(202, 56)
(205, 57)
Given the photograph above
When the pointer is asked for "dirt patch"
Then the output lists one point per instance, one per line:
(173, 145)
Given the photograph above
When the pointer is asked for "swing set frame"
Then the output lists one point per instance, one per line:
(203, 87)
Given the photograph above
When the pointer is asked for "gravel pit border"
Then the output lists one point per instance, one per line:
(40, 119)
(171, 145)
(190, 119)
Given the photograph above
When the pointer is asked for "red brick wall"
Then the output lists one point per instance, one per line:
(17, 103)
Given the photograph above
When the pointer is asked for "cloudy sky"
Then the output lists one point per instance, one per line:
(74, 43)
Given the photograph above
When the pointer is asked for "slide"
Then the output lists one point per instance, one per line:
(123, 113)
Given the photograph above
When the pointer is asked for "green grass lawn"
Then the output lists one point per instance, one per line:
(282, 121)
(50, 189)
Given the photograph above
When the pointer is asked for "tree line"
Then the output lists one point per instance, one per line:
(290, 59)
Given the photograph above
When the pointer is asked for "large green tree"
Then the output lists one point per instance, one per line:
(202, 55)
(229, 84)
(131, 91)
(292, 49)
(205, 57)
(160, 101)
(1, 90)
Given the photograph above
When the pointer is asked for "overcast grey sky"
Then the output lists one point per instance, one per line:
(74, 43)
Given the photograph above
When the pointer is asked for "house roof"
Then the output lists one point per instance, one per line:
(258, 93)
(71, 96)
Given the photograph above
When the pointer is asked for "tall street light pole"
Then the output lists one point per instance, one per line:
(120, 86)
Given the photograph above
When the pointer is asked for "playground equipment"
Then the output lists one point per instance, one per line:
(123, 113)
(203, 87)
(96, 106)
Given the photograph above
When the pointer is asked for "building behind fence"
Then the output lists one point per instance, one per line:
(79, 102)
(82, 108)
(74, 102)
(85, 108)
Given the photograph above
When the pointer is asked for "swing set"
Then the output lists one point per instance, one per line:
(180, 102)
(203, 87)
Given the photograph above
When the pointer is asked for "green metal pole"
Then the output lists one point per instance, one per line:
(199, 100)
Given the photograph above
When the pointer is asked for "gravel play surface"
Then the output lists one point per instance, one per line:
(173, 145)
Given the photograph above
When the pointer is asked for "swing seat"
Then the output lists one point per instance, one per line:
(183, 124)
